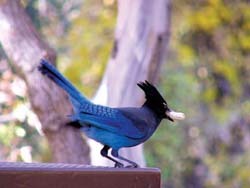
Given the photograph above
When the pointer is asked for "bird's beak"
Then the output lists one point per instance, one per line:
(175, 115)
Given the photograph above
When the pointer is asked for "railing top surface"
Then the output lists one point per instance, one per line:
(16, 166)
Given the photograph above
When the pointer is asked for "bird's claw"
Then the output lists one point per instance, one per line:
(119, 165)
(132, 166)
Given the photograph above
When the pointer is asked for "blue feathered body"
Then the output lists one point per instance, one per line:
(114, 127)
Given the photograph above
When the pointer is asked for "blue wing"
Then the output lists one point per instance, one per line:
(109, 119)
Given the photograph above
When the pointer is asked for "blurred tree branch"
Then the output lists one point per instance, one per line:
(140, 45)
(24, 47)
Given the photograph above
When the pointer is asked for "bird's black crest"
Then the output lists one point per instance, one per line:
(154, 100)
(151, 92)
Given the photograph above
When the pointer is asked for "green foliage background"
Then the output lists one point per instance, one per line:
(206, 75)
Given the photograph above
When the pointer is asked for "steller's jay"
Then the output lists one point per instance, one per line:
(114, 127)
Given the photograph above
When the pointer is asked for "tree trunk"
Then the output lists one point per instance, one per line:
(141, 38)
(25, 48)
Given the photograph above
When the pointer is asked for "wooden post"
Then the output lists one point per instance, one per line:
(40, 175)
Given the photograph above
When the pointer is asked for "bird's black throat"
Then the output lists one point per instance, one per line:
(157, 109)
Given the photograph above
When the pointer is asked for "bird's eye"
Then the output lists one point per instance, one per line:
(165, 105)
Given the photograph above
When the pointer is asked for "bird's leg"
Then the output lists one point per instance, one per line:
(104, 153)
(116, 154)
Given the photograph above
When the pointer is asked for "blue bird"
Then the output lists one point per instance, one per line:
(115, 128)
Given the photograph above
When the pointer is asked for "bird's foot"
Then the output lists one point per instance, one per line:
(119, 165)
(133, 166)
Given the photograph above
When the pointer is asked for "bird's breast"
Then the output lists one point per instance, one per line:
(111, 139)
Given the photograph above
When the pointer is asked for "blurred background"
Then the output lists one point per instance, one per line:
(206, 75)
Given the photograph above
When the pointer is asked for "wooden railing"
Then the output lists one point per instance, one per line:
(53, 175)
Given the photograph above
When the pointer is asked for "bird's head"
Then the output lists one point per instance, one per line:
(156, 102)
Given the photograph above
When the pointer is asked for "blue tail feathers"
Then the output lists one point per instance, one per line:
(51, 72)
